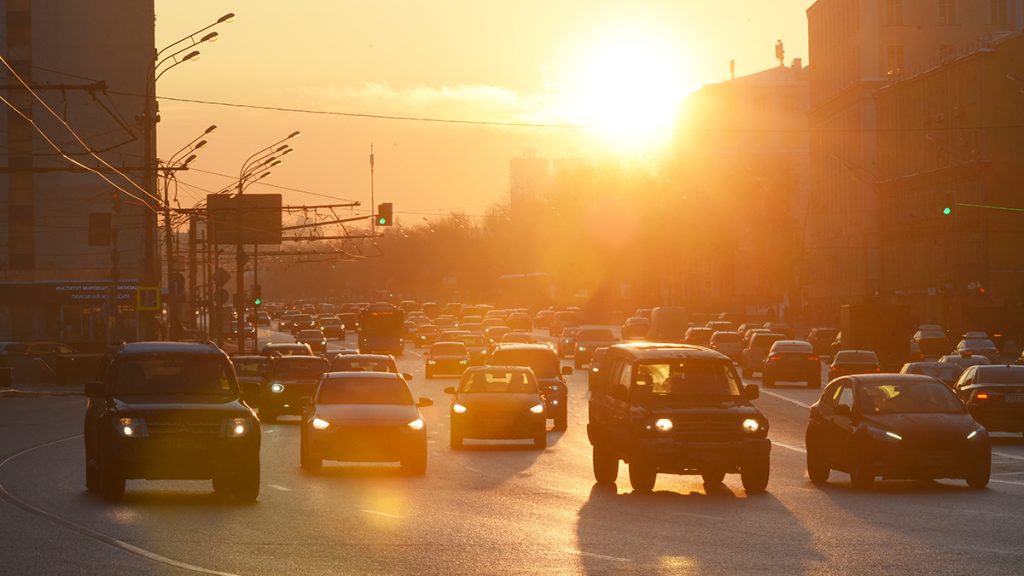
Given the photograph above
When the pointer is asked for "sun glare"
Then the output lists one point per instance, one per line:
(628, 90)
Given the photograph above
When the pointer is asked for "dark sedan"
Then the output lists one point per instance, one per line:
(847, 362)
(588, 340)
(947, 372)
(289, 384)
(498, 402)
(994, 395)
(895, 426)
(979, 347)
(314, 338)
(448, 358)
(792, 361)
(550, 375)
(364, 417)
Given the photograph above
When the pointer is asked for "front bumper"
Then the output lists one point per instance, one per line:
(897, 462)
(367, 443)
(183, 457)
(499, 425)
(681, 456)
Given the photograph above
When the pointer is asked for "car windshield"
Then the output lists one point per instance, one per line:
(448, 349)
(472, 340)
(599, 335)
(355, 364)
(544, 363)
(364, 391)
(803, 347)
(940, 371)
(174, 374)
(917, 397)
(304, 368)
(976, 344)
(725, 338)
(250, 367)
(856, 357)
(497, 382)
(687, 379)
(1001, 375)
(764, 340)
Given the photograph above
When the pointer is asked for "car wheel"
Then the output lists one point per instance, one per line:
(817, 468)
(541, 440)
(416, 464)
(606, 465)
(642, 475)
(978, 479)
(456, 440)
(861, 474)
(247, 483)
(562, 419)
(111, 482)
(221, 485)
(755, 473)
(712, 477)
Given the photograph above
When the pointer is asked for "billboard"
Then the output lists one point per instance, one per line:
(245, 219)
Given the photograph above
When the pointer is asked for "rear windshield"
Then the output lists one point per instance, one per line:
(302, 318)
(686, 379)
(725, 338)
(940, 371)
(857, 357)
(595, 335)
(356, 364)
(792, 347)
(363, 391)
(765, 340)
(544, 363)
(976, 344)
(472, 340)
(250, 367)
(931, 335)
(448, 348)
(907, 398)
(1001, 375)
(497, 382)
(300, 368)
(174, 375)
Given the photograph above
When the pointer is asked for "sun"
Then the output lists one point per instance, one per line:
(628, 89)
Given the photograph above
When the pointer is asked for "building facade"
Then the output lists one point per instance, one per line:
(856, 48)
(73, 248)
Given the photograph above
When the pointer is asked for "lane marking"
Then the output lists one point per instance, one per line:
(1006, 482)
(786, 398)
(1005, 455)
(600, 556)
(384, 514)
(111, 541)
(279, 487)
(789, 447)
(1007, 473)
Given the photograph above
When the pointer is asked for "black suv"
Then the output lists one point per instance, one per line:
(675, 409)
(547, 369)
(170, 410)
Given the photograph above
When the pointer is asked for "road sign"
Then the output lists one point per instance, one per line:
(221, 296)
(221, 277)
(147, 298)
(245, 219)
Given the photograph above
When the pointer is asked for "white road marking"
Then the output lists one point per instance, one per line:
(279, 487)
(786, 398)
(601, 556)
(1008, 473)
(1006, 482)
(384, 514)
(114, 542)
(789, 447)
(1005, 455)
(269, 431)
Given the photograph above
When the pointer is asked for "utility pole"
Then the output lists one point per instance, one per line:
(373, 220)
(239, 273)
(193, 291)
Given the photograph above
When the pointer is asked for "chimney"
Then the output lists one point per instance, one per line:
(798, 63)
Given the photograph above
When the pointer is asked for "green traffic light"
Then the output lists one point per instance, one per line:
(258, 301)
(382, 221)
(947, 211)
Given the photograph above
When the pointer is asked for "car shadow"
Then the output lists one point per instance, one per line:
(202, 496)
(710, 531)
(350, 470)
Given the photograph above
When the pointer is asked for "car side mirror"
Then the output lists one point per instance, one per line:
(566, 370)
(449, 390)
(751, 392)
(424, 402)
(407, 375)
(94, 388)
(620, 393)
(842, 410)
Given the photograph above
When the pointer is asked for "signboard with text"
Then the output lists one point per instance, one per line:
(245, 219)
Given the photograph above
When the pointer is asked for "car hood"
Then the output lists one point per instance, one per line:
(711, 408)
(380, 414)
(936, 429)
(173, 404)
(594, 343)
(503, 402)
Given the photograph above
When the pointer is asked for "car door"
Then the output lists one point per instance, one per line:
(616, 400)
(840, 427)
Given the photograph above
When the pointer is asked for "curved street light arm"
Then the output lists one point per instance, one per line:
(225, 18)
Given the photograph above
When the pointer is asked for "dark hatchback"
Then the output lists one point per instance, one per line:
(898, 426)
(550, 375)
(164, 410)
(289, 385)
(497, 403)
(792, 361)
(675, 409)
(588, 340)
(994, 395)
(847, 362)
(446, 358)
(364, 417)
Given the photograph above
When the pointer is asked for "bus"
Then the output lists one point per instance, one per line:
(380, 330)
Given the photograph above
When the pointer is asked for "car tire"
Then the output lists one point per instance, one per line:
(861, 474)
(247, 483)
(456, 440)
(311, 463)
(817, 468)
(978, 479)
(755, 474)
(562, 419)
(415, 464)
(712, 477)
(606, 464)
(220, 485)
(541, 440)
(642, 475)
(111, 482)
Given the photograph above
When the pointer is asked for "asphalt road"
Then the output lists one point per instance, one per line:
(494, 508)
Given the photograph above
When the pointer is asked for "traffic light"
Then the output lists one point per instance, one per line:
(384, 214)
(948, 203)
(257, 298)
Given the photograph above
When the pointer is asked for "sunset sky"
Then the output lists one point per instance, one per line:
(618, 67)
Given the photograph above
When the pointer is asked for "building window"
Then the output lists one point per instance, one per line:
(893, 12)
(947, 11)
(998, 12)
(894, 60)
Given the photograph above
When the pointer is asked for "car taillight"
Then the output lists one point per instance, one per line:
(813, 357)
(981, 396)
(774, 357)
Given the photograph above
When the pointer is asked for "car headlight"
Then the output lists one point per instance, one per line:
(431, 362)
(582, 348)
(537, 409)
(416, 424)
(751, 425)
(277, 387)
(458, 408)
(237, 427)
(463, 361)
(663, 424)
(132, 427)
(320, 424)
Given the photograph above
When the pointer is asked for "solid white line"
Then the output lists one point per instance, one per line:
(786, 398)
(1006, 482)
(384, 514)
(601, 556)
(279, 487)
(11, 498)
(788, 447)
(1004, 455)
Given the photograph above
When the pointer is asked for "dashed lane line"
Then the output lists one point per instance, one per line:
(789, 447)
(109, 540)
(599, 556)
(786, 398)
(383, 514)
(280, 488)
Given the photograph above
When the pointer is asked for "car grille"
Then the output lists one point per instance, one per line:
(196, 428)
(707, 426)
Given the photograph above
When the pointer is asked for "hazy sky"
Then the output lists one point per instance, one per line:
(618, 66)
